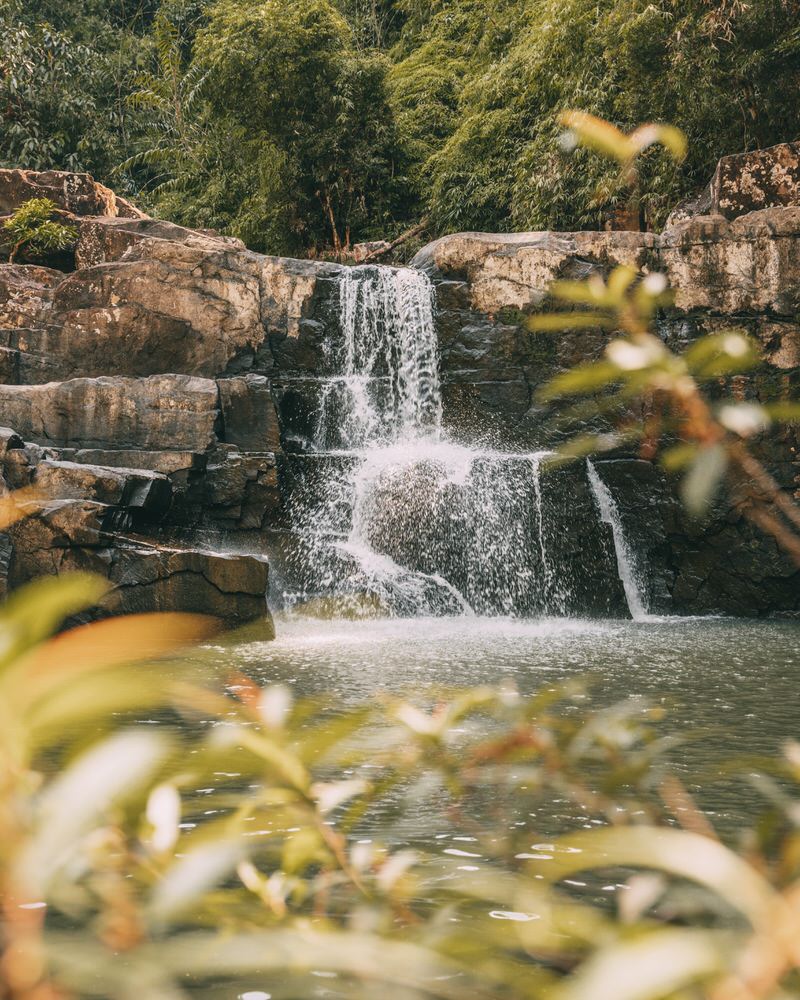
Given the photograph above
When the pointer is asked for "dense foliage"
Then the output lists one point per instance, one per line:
(305, 126)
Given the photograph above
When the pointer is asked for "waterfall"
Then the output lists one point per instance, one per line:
(629, 572)
(388, 388)
(394, 516)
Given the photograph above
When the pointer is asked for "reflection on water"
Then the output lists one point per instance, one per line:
(729, 686)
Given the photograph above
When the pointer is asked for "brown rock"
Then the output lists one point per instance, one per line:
(763, 178)
(241, 490)
(76, 193)
(190, 307)
(515, 270)
(104, 240)
(231, 587)
(128, 488)
(71, 535)
(167, 462)
(160, 412)
(749, 265)
(249, 418)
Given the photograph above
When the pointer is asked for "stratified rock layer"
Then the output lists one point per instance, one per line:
(162, 397)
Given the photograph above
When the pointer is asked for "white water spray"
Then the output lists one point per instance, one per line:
(403, 517)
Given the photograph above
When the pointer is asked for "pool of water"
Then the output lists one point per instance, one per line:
(729, 686)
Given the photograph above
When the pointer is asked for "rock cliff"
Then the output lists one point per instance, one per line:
(742, 273)
(155, 393)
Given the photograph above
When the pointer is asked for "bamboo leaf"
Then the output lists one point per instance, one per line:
(34, 611)
(551, 322)
(619, 281)
(677, 852)
(679, 456)
(785, 412)
(361, 955)
(192, 875)
(721, 354)
(82, 794)
(18, 505)
(580, 380)
(597, 134)
(671, 138)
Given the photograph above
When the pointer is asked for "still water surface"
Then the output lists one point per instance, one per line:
(730, 686)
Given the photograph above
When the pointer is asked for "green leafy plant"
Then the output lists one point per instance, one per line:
(158, 858)
(34, 234)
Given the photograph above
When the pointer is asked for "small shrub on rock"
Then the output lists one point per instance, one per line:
(32, 233)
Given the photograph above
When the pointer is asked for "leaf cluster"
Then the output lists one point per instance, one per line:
(32, 231)
(235, 854)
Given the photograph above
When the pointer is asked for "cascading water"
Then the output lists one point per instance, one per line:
(400, 519)
(629, 572)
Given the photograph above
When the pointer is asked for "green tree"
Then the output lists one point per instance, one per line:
(725, 74)
(302, 151)
(65, 70)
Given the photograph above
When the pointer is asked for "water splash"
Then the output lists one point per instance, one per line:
(472, 518)
(629, 572)
(398, 516)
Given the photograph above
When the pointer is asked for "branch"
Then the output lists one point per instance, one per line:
(407, 235)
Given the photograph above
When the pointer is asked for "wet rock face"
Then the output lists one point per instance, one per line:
(743, 273)
(162, 396)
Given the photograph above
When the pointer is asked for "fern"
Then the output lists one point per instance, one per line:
(32, 231)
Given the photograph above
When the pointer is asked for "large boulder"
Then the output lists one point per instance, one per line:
(763, 178)
(750, 265)
(139, 489)
(190, 307)
(104, 240)
(515, 270)
(160, 412)
(69, 535)
(158, 578)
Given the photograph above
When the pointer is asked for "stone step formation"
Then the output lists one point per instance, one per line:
(163, 396)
